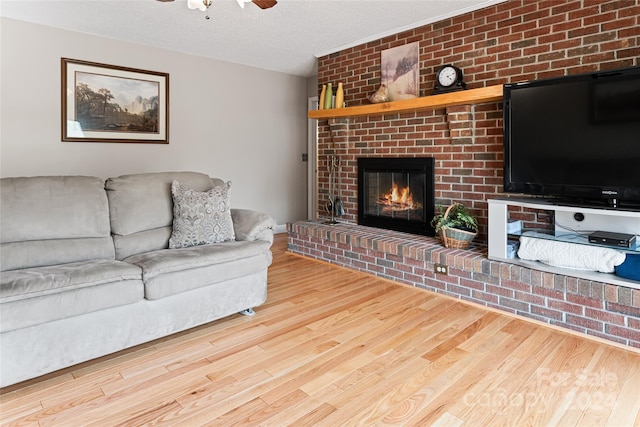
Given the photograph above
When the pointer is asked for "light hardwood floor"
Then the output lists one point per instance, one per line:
(334, 347)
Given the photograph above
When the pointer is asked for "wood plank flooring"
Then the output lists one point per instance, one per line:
(334, 347)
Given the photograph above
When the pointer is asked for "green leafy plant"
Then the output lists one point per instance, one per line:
(458, 217)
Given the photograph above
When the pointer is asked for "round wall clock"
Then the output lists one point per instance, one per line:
(448, 79)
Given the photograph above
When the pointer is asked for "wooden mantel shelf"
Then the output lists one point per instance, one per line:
(463, 97)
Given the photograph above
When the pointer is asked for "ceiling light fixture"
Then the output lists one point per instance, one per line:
(204, 5)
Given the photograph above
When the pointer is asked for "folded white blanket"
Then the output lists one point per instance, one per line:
(570, 255)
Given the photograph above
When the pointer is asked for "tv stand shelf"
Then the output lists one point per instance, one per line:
(612, 218)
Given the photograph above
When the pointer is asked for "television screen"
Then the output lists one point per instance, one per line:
(575, 137)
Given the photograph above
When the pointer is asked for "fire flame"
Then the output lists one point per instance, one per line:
(398, 198)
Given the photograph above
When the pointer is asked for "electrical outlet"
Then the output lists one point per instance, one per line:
(440, 269)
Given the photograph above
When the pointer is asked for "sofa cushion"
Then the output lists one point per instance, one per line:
(53, 207)
(42, 294)
(200, 217)
(38, 253)
(143, 202)
(51, 220)
(172, 271)
(141, 208)
(143, 241)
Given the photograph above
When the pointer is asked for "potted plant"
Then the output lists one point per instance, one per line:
(455, 225)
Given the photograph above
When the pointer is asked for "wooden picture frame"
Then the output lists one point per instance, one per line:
(109, 103)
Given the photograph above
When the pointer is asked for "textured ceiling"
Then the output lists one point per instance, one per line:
(286, 38)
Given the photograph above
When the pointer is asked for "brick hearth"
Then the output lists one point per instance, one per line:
(599, 309)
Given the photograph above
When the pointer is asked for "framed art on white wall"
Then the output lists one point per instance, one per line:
(109, 103)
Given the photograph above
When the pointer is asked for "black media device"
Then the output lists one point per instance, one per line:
(622, 240)
(575, 137)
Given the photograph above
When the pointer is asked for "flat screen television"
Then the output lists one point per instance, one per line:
(575, 137)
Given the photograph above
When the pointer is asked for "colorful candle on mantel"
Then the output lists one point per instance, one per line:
(328, 97)
(339, 96)
(323, 94)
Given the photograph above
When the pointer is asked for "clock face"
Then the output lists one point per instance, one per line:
(447, 76)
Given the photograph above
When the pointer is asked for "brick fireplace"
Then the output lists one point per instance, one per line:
(508, 42)
(396, 193)
(511, 41)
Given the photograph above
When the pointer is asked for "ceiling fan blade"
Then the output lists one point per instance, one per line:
(165, 1)
(265, 4)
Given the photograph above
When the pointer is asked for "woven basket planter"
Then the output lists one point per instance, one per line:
(454, 237)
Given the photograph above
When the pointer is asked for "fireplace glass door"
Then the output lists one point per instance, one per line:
(396, 193)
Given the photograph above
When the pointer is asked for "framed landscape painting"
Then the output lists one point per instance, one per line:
(108, 103)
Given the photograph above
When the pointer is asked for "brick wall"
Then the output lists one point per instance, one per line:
(513, 41)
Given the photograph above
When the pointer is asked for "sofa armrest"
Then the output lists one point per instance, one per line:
(252, 225)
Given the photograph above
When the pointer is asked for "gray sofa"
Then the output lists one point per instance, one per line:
(86, 269)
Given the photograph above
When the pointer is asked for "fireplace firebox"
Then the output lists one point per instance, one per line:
(396, 193)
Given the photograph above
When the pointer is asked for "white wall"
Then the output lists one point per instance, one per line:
(231, 121)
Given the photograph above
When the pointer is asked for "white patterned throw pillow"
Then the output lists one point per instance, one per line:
(200, 218)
